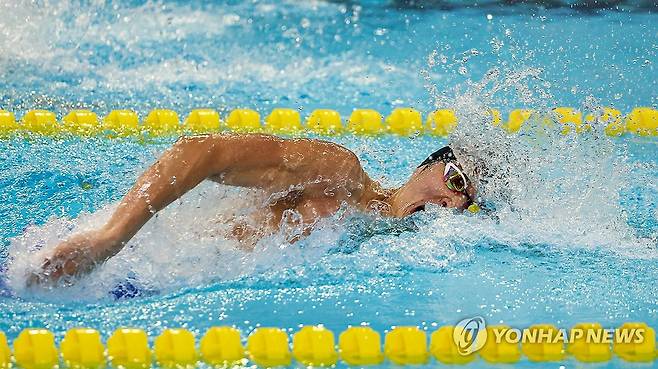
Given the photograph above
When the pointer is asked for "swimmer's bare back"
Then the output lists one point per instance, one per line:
(318, 176)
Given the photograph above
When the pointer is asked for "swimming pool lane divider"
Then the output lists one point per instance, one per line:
(641, 121)
(311, 346)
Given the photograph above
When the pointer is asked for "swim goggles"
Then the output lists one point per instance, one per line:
(453, 177)
(456, 181)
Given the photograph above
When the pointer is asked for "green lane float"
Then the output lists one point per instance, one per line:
(315, 346)
(641, 121)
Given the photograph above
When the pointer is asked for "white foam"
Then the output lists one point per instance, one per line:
(185, 244)
(547, 188)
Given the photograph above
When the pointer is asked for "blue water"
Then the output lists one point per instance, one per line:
(578, 242)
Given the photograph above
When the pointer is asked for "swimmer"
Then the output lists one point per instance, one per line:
(312, 177)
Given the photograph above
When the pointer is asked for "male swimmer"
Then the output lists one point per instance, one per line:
(312, 177)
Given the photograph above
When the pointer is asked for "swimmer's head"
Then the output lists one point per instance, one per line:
(439, 180)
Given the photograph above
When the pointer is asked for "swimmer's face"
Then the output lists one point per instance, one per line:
(427, 185)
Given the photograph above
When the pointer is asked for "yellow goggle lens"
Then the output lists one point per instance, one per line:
(473, 208)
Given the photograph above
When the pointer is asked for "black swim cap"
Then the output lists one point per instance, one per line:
(443, 154)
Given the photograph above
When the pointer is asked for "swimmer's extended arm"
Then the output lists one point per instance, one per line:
(259, 161)
(232, 159)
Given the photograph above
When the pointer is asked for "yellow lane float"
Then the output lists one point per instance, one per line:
(365, 122)
(588, 343)
(244, 120)
(404, 122)
(517, 118)
(128, 348)
(202, 121)
(497, 349)
(222, 346)
(324, 122)
(441, 122)
(284, 121)
(8, 123)
(544, 344)
(635, 342)
(41, 122)
(82, 348)
(444, 348)
(406, 345)
(314, 346)
(81, 122)
(268, 347)
(5, 352)
(121, 123)
(162, 122)
(611, 118)
(641, 121)
(175, 348)
(360, 346)
(35, 349)
(570, 119)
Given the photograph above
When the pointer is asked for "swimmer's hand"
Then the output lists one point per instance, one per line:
(76, 256)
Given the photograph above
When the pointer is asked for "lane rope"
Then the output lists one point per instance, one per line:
(35, 348)
(642, 121)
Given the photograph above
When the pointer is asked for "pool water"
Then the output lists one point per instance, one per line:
(573, 237)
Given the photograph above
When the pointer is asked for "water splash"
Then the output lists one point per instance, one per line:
(549, 191)
(546, 188)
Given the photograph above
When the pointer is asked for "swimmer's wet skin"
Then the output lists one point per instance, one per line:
(312, 177)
